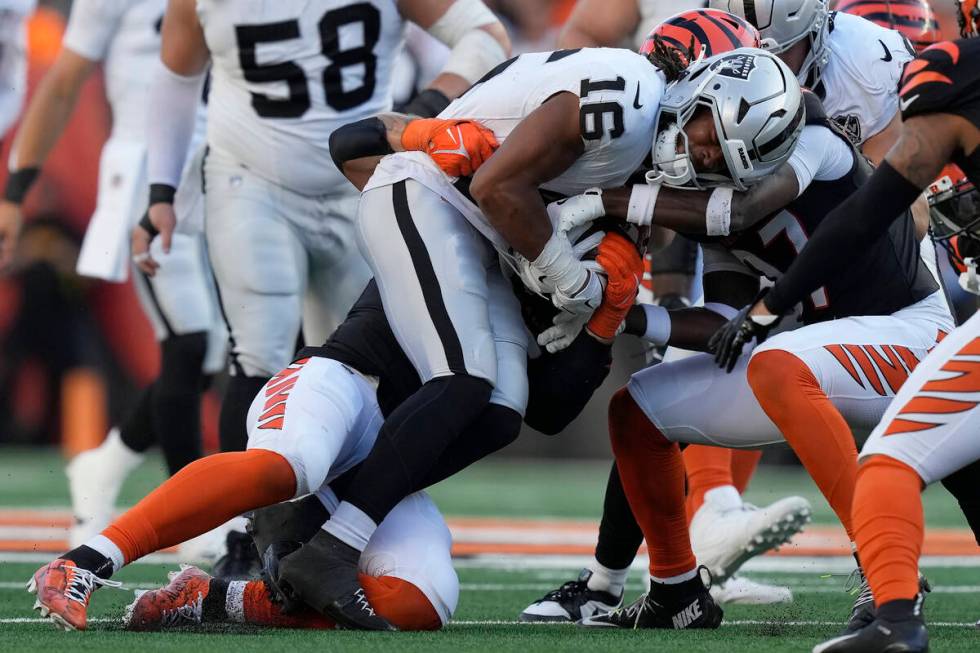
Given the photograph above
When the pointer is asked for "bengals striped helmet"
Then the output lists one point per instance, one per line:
(713, 30)
(968, 17)
(911, 18)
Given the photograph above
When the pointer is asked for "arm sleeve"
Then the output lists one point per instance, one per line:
(862, 218)
(173, 105)
(91, 27)
(819, 155)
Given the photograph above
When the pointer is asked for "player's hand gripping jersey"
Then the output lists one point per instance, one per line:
(286, 74)
(619, 93)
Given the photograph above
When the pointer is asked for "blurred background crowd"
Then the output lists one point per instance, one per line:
(74, 351)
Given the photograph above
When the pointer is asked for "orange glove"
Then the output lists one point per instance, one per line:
(459, 147)
(624, 267)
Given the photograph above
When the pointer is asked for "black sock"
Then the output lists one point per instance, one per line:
(899, 610)
(177, 399)
(619, 535)
(239, 394)
(213, 605)
(85, 557)
(665, 594)
(136, 431)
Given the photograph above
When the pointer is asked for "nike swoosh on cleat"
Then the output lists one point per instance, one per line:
(888, 55)
(636, 100)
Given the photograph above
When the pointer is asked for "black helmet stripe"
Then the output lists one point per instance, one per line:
(725, 29)
(774, 143)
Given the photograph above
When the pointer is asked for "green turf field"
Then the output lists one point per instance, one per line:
(492, 594)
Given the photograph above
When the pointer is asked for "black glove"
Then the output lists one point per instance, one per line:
(728, 341)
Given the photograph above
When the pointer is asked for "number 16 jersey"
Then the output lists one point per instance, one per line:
(286, 73)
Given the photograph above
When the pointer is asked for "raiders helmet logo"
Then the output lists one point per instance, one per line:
(851, 126)
(737, 66)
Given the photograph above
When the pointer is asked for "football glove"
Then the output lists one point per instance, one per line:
(575, 211)
(728, 341)
(458, 147)
(623, 266)
(538, 283)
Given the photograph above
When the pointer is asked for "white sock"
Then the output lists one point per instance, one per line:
(235, 601)
(723, 498)
(127, 458)
(328, 499)
(107, 547)
(351, 525)
(604, 579)
(676, 580)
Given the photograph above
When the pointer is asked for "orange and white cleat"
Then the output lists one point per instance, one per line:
(63, 592)
(178, 603)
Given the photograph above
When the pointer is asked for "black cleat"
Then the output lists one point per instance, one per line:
(881, 636)
(571, 602)
(682, 606)
(240, 561)
(274, 553)
(289, 521)
(323, 575)
(863, 609)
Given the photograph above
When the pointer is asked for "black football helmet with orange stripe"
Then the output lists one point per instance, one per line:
(702, 33)
(968, 16)
(954, 207)
(913, 19)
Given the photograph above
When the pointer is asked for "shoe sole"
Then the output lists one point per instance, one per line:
(539, 618)
(45, 612)
(772, 538)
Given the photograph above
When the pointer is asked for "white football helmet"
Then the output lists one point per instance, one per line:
(783, 24)
(758, 111)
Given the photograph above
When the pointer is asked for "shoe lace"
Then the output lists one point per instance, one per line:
(566, 591)
(363, 602)
(189, 612)
(629, 613)
(857, 583)
(80, 583)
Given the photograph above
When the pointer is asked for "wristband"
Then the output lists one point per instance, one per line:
(162, 194)
(18, 183)
(367, 137)
(148, 226)
(427, 104)
(718, 216)
(643, 200)
(658, 324)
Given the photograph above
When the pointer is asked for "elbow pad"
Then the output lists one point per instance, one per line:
(356, 140)
(174, 101)
(474, 51)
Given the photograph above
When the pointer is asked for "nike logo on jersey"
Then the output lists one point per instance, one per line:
(636, 100)
(457, 138)
(904, 103)
(686, 617)
(888, 54)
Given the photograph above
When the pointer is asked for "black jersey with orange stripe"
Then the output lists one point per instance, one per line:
(945, 78)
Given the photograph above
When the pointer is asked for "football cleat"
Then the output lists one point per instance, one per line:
(683, 606)
(178, 603)
(572, 601)
(323, 574)
(63, 591)
(880, 636)
(95, 477)
(240, 561)
(724, 537)
(742, 591)
(293, 521)
(863, 608)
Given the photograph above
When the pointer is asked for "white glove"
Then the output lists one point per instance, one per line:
(566, 328)
(538, 283)
(575, 211)
(578, 288)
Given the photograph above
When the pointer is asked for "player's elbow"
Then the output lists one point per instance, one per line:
(487, 188)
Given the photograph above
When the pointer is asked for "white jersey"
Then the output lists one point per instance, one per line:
(286, 73)
(13, 59)
(860, 81)
(654, 12)
(619, 94)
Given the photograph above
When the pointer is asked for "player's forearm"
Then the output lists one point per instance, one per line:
(44, 121)
(173, 105)
(686, 328)
(517, 213)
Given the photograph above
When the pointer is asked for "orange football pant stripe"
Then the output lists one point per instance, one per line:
(397, 600)
(203, 495)
(791, 397)
(652, 471)
(888, 525)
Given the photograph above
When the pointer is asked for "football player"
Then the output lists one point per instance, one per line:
(309, 428)
(180, 301)
(913, 19)
(280, 218)
(718, 526)
(929, 431)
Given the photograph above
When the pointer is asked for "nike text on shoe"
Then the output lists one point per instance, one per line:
(571, 602)
(63, 592)
(323, 574)
(179, 603)
(880, 636)
(681, 606)
(724, 537)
